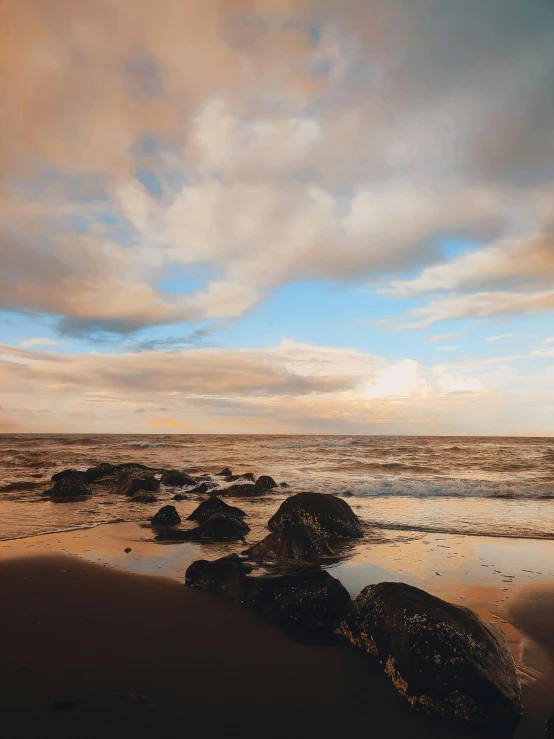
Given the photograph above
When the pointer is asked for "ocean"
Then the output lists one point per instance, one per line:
(480, 486)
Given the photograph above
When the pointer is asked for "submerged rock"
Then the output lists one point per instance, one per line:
(201, 489)
(293, 542)
(442, 657)
(306, 596)
(180, 496)
(225, 472)
(166, 516)
(176, 479)
(132, 482)
(327, 515)
(209, 507)
(264, 483)
(69, 486)
(142, 497)
(245, 476)
(239, 490)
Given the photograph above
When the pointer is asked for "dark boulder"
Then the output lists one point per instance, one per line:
(284, 485)
(143, 497)
(166, 516)
(219, 527)
(131, 482)
(214, 505)
(549, 728)
(176, 479)
(306, 596)
(248, 476)
(68, 473)
(225, 472)
(69, 486)
(264, 483)
(293, 542)
(443, 658)
(328, 515)
(97, 473)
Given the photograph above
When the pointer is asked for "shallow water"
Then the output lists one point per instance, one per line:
(460, 485)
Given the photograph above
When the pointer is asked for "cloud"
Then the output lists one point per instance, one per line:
(500, 336)
(479, 305)
(171, 423)
(30, 343)
(273, 142)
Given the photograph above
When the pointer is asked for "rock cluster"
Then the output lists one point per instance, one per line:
(307, 596)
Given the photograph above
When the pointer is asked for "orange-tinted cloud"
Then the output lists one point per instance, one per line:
(171, 423)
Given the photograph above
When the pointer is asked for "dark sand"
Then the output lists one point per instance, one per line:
(87, 651)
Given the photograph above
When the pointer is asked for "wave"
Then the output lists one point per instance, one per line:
(499, 532)
(448, 488)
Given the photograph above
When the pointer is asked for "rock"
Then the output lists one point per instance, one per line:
(127, 550)
(205, 478)
(284, 485)
(246, 476)
(328, 515)
(111, 473)
(67, 473)
(166, 516)
(202, 488)
(142, 497)
(180, 496)
(68, 487)
(264, 483)
(293, 542)
(214, 505)
(176, 479)
(549, 728)
(239, 490)
(219, 527)
(225, 472)
(306, 596)
(442, 657)
(132, 482)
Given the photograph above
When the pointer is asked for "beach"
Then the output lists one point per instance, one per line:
(96, 640)
(100, 635)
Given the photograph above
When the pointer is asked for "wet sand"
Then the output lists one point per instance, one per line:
(89, 649)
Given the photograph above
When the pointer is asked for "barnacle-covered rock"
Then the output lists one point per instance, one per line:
(443, 658)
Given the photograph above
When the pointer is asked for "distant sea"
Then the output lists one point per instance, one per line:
(466, 485)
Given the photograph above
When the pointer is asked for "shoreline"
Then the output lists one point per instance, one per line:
(464, 575)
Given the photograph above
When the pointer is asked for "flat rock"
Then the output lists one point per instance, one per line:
(306, 596)
(166, 516)
(110, 473)
(176, 479)
(68, 473)
(213, 505)
(219, 527)
(297, 541)
(442, 657)
(327, 515)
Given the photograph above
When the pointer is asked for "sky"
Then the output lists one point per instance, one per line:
(277, 216)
